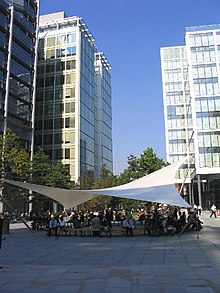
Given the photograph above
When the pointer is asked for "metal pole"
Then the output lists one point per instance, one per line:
(11, 208)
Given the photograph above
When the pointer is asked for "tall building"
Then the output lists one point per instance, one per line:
(18, 31)
(191, 92)
(73, 100)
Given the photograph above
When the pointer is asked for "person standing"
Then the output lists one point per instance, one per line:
(213, 211)
(1, 227)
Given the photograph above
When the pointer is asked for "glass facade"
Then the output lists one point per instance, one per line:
(177, 105)
(103, 117)
(191, 90)
(204, 65)
(17, 59)
(65, 100)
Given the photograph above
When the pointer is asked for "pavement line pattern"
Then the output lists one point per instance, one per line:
(33, 262)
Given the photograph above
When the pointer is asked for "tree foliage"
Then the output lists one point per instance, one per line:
(15, 160)
(15, 164)
(147, 163)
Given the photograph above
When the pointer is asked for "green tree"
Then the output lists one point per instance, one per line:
(149, 162)
(58, 176)
(107, 179)
(15, 160)
(40, 168)
(139, 167)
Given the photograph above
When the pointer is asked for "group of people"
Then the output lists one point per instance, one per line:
(100, 221)
(155, 221)
(174, 220)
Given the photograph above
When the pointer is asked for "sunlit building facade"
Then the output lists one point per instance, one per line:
(73, 100)
(191, 91)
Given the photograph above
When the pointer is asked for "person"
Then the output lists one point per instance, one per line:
(76, 222)
(182, 219)
(170, 225)
(213, 211)
(148, 225)
(128, 224)
(199, 210)
(95, 222)
(62, 225)
(1, 227)
(53, 225)
(194, 221)
(105, 227)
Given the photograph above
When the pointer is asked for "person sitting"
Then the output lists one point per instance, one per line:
(53, 226)
(170, 225)
(76, 222)
(95, 222)
(182, 219)
(148, 225)
(129, 225)
(194, 222)
(104, 227)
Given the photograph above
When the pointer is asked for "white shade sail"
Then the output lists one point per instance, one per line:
(158, 187)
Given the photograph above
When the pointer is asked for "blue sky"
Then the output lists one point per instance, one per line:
(130, 33)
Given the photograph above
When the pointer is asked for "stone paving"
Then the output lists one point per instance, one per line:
(33, 262)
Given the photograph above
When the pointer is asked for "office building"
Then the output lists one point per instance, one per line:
(73, 100)
(18, 29)
(191, 93)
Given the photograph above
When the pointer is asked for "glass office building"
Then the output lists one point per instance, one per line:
(191, 91)
(73, 100)
(18, 25)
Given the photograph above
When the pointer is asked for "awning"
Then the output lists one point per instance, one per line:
(157, 187)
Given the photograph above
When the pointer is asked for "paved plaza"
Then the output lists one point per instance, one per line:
(33, 262)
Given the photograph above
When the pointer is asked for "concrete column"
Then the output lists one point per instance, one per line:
(199, 190)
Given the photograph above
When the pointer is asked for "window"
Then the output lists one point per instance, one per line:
(50, 41)
(67, 153)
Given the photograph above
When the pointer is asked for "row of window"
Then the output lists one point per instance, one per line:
(171, 53)
(176, 86)
(54, 67)
(175, 64)
(59, 154)
(177, 98)
(209, 160)
(58, 138)
(56, 53)
(208, 123)
(56, 94)
(56, 123)
(177, 110)
(55, 109)
(209, 139)
(198, 40)
(59, 40)
(204, 71)
(203, 54)
(207, 104)
(57, 80)
(206, 87)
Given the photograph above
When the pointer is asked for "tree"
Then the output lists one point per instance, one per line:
(139, 167)
(40, 168)
(15, 164)
(15, 160)
(107, 179)
(58, 176)
(149, 162)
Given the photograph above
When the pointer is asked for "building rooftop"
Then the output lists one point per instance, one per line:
(202, 28)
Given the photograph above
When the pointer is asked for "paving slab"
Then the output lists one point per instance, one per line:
(33, 262)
